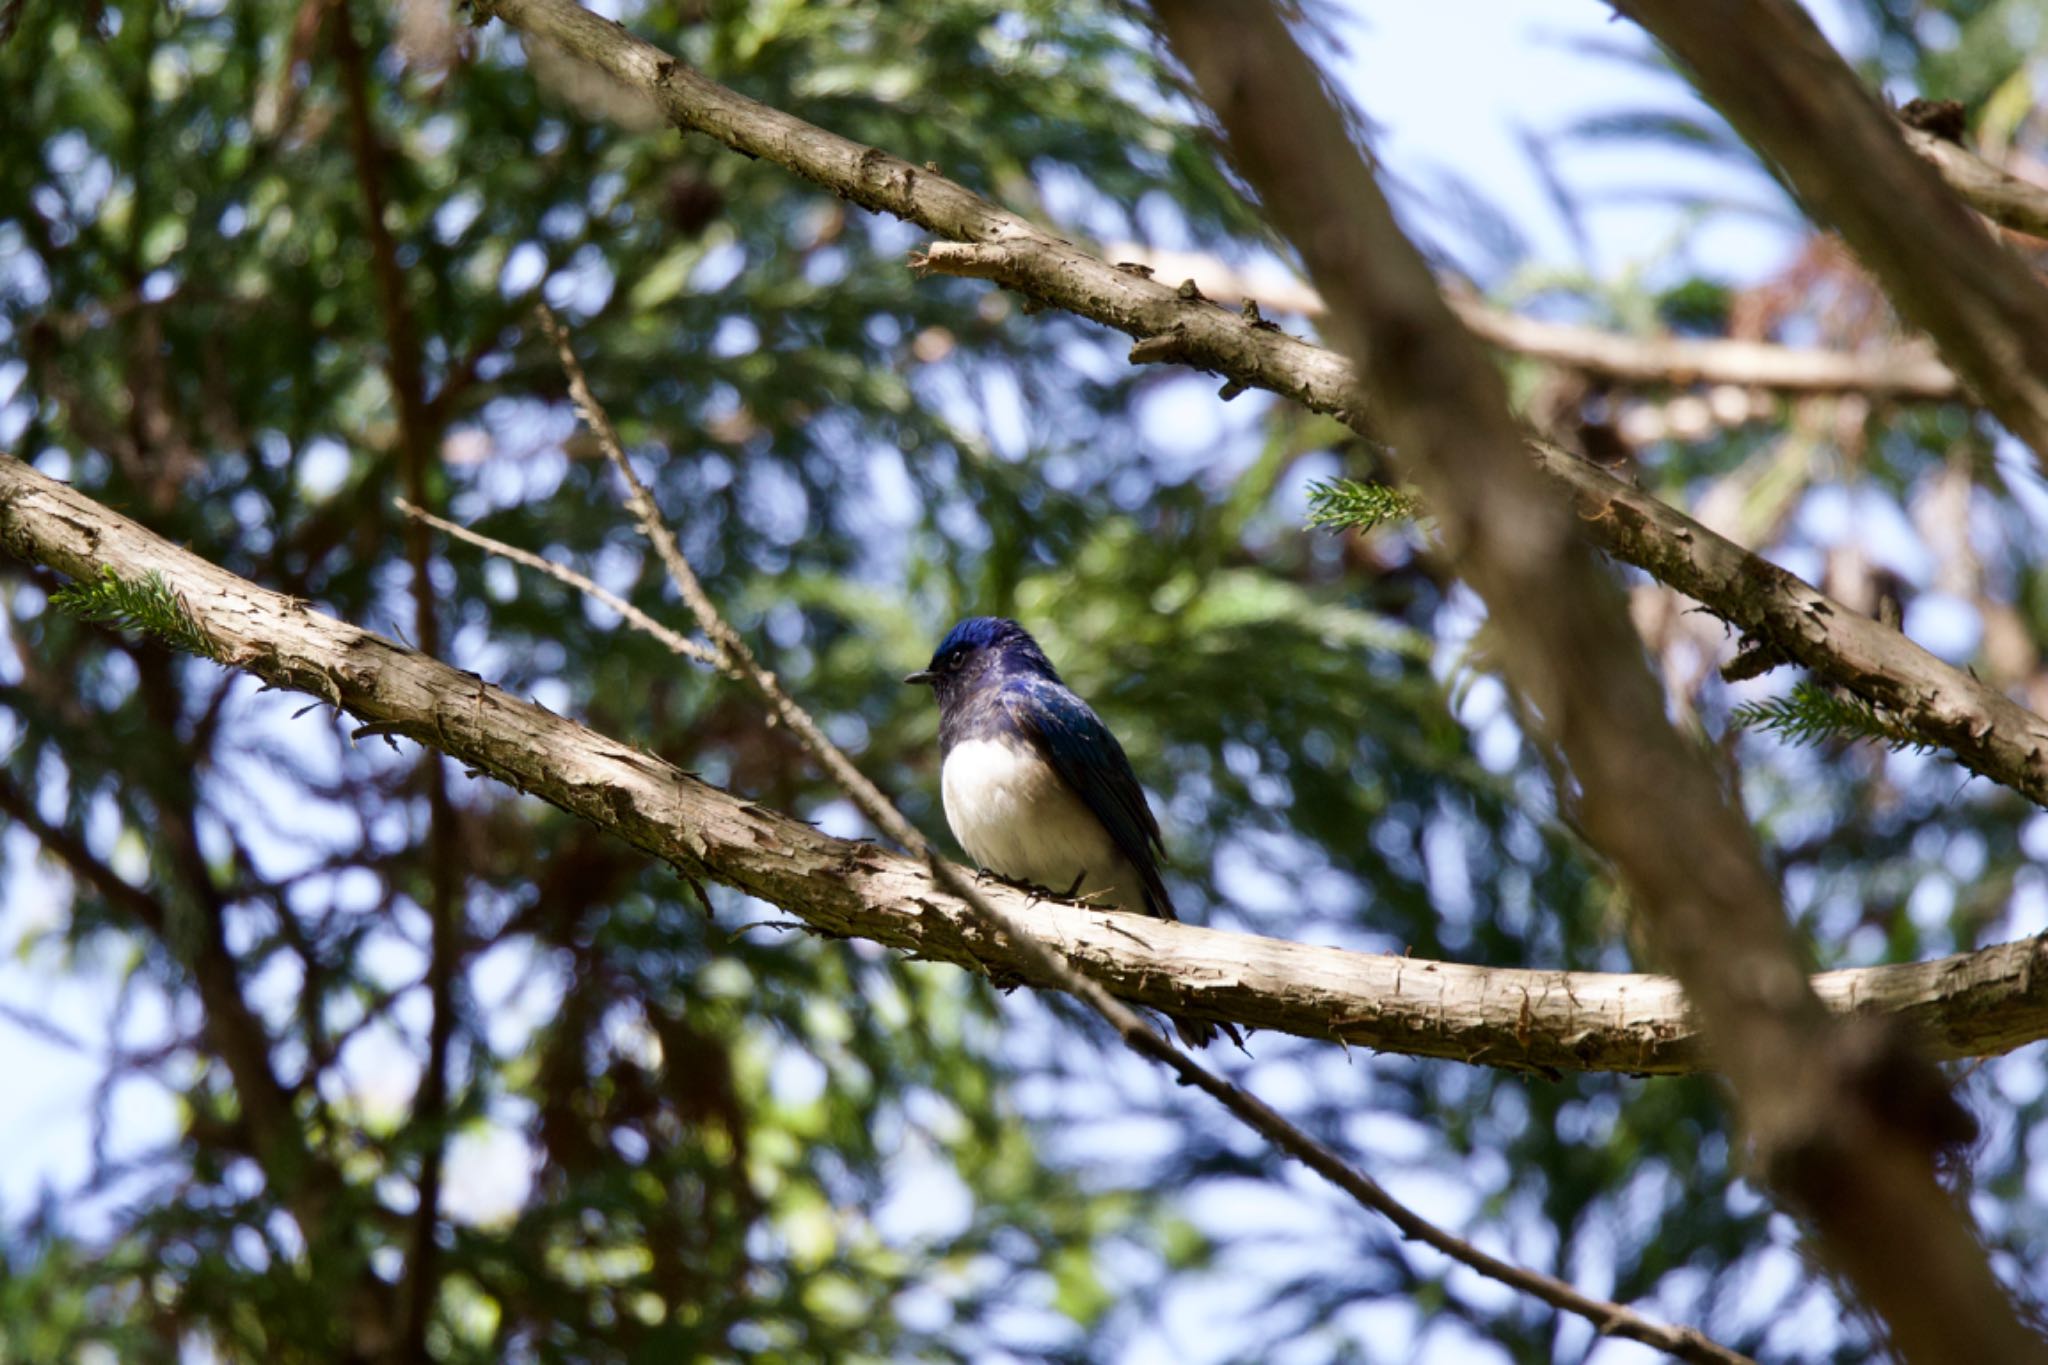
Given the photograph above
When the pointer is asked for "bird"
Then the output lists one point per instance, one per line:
(1035, 787)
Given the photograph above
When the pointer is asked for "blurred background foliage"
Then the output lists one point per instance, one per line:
(265, 265)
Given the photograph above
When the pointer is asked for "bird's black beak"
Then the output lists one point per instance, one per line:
(924, 677)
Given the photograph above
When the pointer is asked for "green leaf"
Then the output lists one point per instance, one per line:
(147, 605)
(1811, 714)
(1348, 504)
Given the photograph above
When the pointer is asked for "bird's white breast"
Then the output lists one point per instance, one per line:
(1014, 816)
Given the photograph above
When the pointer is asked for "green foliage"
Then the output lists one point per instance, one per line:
(1812, 714)
(148, 606)
(728, 1144)
(1350, 505)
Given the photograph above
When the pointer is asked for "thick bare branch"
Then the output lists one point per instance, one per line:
(1766, 66)
(849, 888)
(1967, 1005)
(1844, 1121)
(1988, 732)
(1971, 1005)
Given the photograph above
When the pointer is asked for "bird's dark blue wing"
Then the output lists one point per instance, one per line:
(1089, 760)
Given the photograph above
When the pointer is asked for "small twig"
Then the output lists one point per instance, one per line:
(30, 1022)
(1044, 964)
(675, 642)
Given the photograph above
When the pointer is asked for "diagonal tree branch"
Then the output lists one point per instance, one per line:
(1988, 732)
(1966, 1005)
(1969, 1005)
(1766, 66)
(1844, 1121)
(1040, 960)
(837, 886)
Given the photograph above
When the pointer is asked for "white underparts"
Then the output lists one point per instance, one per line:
(1014, 816)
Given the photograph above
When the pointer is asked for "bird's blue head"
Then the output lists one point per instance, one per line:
(981, 651)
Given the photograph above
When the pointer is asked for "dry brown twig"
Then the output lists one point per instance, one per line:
(674, 641)
(734, 657)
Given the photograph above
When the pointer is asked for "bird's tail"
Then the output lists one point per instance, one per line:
(1201, 1033)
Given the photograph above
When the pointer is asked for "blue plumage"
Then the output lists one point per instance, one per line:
(1091, 763)
(1036, 787)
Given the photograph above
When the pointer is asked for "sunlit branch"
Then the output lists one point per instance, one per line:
(1985, 1001)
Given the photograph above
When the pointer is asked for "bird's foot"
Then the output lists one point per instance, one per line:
(984, 876)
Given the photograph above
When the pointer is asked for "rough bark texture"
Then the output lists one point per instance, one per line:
(1843, 1120)
(1990, 734)
(1970, 1005)
(1765, 65)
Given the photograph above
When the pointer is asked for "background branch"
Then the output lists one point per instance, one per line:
(419, 443)
(1766, 66)
(1905, 371)
(1844, 1122)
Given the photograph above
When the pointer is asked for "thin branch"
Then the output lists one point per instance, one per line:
(1987, 731)
(673, 641)
(1844, 1121)
(1909, 371)
(1042, 961)
(1767, 67)
(304, 1181)
(1904, 372)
